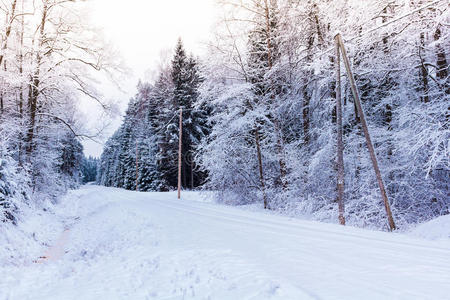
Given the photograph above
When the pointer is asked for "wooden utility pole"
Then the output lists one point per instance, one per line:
(137, 166)
(340, 144)
(180, 137)
(366, 132)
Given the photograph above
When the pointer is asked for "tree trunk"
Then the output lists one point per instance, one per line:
(441, 62)
(270, 61)
(20, 59)
(4, 47)
(32, 106)
(260, 167)
(34, 84)
(423, 69)
(192, 175)
(8, 30)
(281, 156)
(268, 36)
(314, 17)
(137, 167)
(305, 112)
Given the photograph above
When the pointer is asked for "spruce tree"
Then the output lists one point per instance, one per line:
(186, 80)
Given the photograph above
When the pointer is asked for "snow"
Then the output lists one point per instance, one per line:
(117, 244)
(438, 228)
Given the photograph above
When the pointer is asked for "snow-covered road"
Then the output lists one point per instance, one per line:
(128, 245)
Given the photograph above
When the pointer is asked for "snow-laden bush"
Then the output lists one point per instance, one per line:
(13, 190)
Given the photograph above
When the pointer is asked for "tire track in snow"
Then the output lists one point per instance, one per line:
(336, 237)
(286, 225)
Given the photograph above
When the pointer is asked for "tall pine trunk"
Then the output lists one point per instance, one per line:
(279, 136)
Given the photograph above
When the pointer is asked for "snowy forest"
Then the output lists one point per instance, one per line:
(47, 58)
(260, 123)
(259, 112)
(224, 149)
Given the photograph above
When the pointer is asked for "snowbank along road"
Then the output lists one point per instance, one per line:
(128, 245)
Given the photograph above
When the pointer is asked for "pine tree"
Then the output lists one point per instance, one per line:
(89, 167)
(71, 159)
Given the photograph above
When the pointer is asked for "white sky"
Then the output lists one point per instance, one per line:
(141, 30)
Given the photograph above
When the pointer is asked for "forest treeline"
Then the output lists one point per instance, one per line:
(47, 56)
(260, 119)
(143, 153)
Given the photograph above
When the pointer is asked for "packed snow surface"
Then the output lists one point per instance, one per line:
(118, 244)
